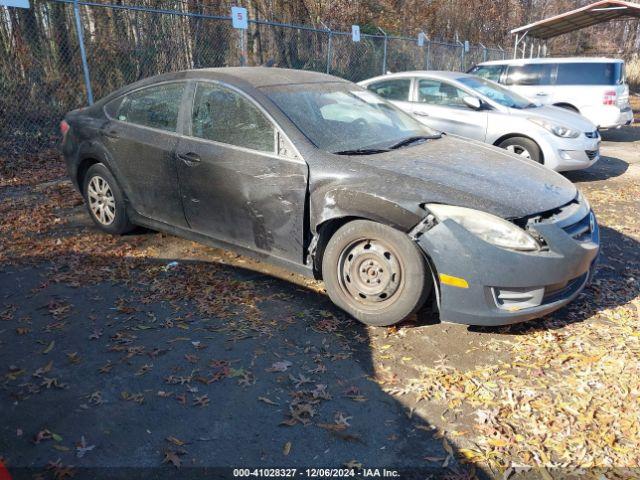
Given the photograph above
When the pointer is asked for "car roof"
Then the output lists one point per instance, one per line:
(246, 78)
(445, 74)
(524, 61)
(254, 76)
(266, 76)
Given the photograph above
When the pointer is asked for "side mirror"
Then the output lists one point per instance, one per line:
(472, 102)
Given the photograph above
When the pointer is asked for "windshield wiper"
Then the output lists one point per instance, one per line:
(409, 140)
(362, 151)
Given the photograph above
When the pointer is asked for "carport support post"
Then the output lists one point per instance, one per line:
(515, 47)
(83, 53)
(384, 52)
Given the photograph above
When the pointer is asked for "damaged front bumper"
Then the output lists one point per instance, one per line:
(497, 286)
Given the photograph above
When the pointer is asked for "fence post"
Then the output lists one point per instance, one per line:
(329, 53)
(243, 60)
(428, 54)
(384, 52)
(461, 56)
(484, 52)
(83, 53)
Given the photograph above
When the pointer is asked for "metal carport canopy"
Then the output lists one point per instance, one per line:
(598, 12)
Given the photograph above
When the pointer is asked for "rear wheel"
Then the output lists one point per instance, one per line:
(566, 106)
(524, 147)
(105, 201)
(375, 273)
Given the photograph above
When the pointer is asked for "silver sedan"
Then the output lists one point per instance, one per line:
(473, 107)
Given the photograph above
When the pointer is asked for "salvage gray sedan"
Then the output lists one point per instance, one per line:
(324, 177)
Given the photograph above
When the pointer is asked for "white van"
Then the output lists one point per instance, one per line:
(594, 87)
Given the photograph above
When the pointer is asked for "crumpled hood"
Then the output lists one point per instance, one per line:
(557, 115)
(462, 172)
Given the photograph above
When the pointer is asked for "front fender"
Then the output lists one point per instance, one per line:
(339, 202)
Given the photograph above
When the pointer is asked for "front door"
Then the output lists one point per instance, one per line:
(141, 139)
(237, 185)
(439, 105)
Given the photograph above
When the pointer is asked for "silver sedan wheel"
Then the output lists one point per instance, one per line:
(101, 201)
(519, 150)
(370, 273)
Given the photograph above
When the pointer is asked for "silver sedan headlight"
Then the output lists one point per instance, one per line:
(489, 228)
(555, 128)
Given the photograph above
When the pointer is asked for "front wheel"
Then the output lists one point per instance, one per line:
(525, 147)
(375, 273)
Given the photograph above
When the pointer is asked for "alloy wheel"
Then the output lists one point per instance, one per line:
(101, 200)
(519, 150)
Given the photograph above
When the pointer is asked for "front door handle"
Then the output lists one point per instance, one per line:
(421, 114)
(190, 159)
(541, 94)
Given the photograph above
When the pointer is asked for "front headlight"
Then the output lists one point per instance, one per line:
(489, 228)
(555, 128)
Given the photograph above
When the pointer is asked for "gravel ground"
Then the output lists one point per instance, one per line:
(153, 352)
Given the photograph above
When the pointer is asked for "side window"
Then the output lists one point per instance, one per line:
(392, 89)
(531, 74)
(435, 92)
(490, 72)
(225, 116)
(590, 74)
(155, 107)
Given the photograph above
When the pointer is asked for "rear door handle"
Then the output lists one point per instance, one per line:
(190, 159)
(421, 114)
(110, 133)
(541, 94)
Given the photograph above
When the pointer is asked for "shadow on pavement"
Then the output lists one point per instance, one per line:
(288, 381)
(605, 168)
(623, 134)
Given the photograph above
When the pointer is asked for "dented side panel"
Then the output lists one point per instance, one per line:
(243, 197)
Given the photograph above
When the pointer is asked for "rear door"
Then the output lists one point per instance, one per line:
(141, 135)
(533, 80)
(240, 178)
(439, 104)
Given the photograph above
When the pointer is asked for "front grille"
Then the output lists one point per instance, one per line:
(582, 229)
(557, 292)
(591, 154)
(593, 134)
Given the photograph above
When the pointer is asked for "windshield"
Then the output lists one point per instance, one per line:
(339, 117)
(496, 92)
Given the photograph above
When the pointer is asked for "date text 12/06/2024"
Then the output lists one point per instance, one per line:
(315, 473)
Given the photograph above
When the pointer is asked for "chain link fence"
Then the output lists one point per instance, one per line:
(60, 54)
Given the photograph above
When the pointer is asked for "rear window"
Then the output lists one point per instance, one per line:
(531, 74)
(490, 72)
(611, 73)
(397, 89)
